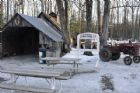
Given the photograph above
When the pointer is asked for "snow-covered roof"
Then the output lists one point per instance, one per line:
(21, 20)
(43, 27)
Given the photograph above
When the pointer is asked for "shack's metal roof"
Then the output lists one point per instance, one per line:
(43, 27)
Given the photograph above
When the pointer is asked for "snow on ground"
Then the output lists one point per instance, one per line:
(75, 53)
(109, 77)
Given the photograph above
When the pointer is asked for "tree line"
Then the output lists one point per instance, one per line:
(117, 19)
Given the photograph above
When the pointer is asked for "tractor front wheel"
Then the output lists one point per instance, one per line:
(128, 60)
(136, 59)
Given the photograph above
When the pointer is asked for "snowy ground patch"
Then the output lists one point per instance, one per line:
(75, 53)
(109, 77)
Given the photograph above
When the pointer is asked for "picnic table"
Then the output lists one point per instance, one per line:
(15, 73)
(58, 60)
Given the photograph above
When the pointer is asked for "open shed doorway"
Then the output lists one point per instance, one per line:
(20, 41)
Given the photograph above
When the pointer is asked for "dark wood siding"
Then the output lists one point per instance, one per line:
(20, 40)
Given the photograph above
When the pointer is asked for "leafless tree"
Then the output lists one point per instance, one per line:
(99, 17)
(106, 16)
(89, 15)
(42, 5)
(63, 15)
(1, 13)
(7, 10)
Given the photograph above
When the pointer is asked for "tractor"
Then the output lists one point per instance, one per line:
(110, 52)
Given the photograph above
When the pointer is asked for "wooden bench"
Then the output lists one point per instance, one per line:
(46, 73)
(57, 60)
(25, 88)
(39, 74)
(30, 73)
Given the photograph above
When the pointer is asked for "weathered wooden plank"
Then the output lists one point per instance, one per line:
(37, 70)
(64, 62)
(30, 73)
(60, 59)
(25, 88)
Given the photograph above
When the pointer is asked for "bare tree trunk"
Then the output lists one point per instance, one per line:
(28, 7)
(89, 15)
(106, 16)
(127, 34)
(112, 18)
(118, 18)
(15, 7)
(81, 21)
(50, 6)
(10, 8)
(42, 5)
(124, 22)
(79, 15)
(55, 9)
(45, 6)
(139, 25)
(66, 11)
(112, 23)
(34, 8)
(99, 17)
(22, 5)
(132, 25)
(136, 23)
(37, 10)
(63, 15)
(1, 13)
(7, 11)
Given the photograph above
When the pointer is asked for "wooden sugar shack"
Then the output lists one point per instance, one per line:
(24, 35)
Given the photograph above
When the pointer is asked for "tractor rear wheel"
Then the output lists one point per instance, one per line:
(136, 59)
(116, 56)
(105, 54)
(128, 60)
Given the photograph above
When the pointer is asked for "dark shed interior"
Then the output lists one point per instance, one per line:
(20, 40)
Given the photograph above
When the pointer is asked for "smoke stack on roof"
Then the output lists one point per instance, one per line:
(53, 15)
(54, 18)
